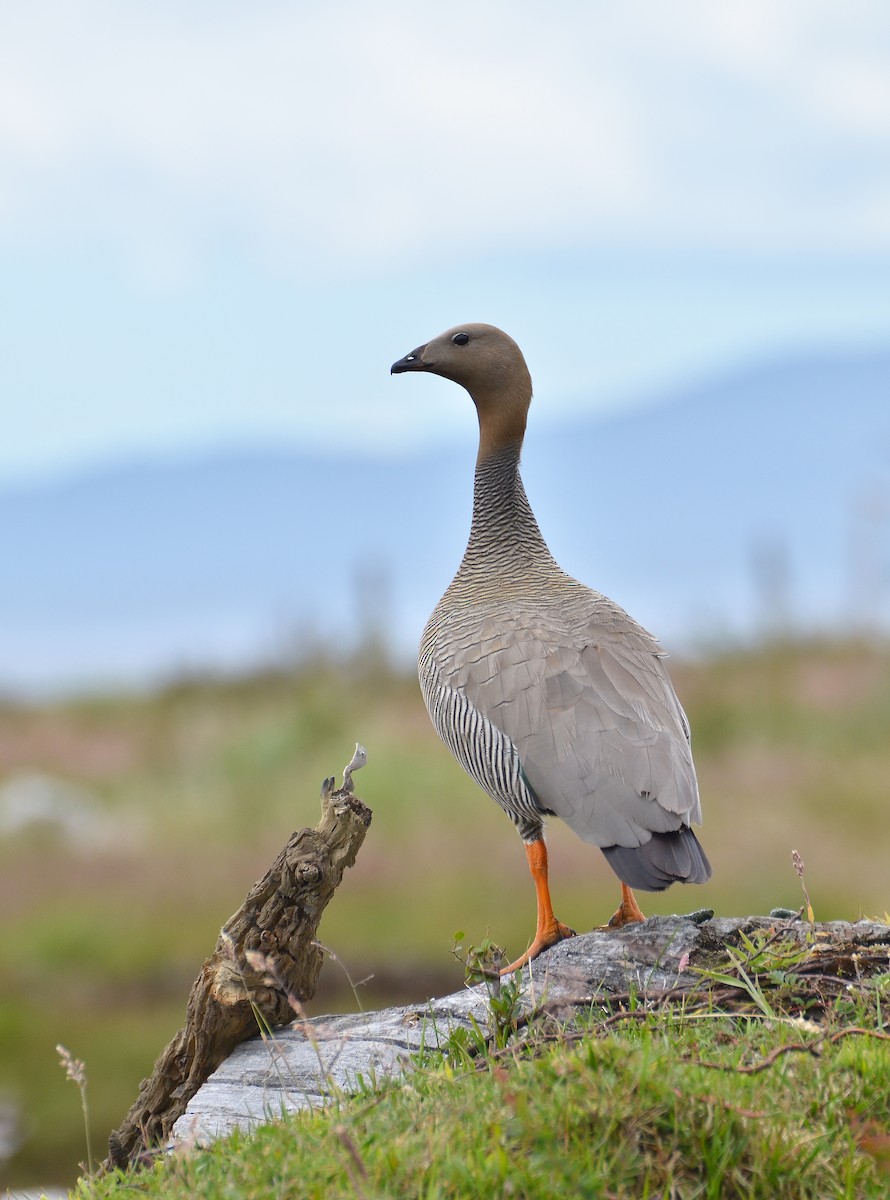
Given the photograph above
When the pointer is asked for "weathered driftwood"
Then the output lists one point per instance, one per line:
(235, 991)
(307, 1064)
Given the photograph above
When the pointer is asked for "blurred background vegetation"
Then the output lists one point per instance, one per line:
(132, 826)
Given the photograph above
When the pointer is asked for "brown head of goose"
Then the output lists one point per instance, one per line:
(553, 699)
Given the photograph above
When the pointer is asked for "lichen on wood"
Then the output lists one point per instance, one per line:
(235, 995)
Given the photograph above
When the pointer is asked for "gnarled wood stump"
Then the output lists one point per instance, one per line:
(265, 964)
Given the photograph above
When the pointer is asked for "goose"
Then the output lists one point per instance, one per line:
(553, 699)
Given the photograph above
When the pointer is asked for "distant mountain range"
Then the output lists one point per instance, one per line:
(751, 503)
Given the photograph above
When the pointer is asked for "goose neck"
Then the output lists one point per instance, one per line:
(502, 516)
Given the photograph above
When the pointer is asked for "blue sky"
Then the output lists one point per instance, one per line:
(222, 222)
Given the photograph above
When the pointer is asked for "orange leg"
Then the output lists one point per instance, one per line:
(549, 931)
(628, 910)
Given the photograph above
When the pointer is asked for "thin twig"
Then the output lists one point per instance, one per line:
(814, 1047)
(717, 1102)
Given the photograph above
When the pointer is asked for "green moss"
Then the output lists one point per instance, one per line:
(632, 1114)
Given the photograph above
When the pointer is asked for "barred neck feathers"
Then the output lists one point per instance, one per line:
(504, 526)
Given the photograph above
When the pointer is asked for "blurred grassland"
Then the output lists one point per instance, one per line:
(193, 789)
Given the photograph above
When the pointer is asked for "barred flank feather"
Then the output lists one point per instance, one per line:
(488, 756)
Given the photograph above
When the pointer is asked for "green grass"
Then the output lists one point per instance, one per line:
(684, 1100)
(197, 786)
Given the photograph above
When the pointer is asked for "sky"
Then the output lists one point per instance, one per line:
(220, 223)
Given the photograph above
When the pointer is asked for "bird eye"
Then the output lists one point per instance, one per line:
(461, 339)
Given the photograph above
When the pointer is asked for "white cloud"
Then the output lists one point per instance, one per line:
(353, 134)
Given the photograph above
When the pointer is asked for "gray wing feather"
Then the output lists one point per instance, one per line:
(589, 710)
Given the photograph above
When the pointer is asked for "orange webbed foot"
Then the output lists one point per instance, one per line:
(548, 931)
(557, 932)
(628, 911)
